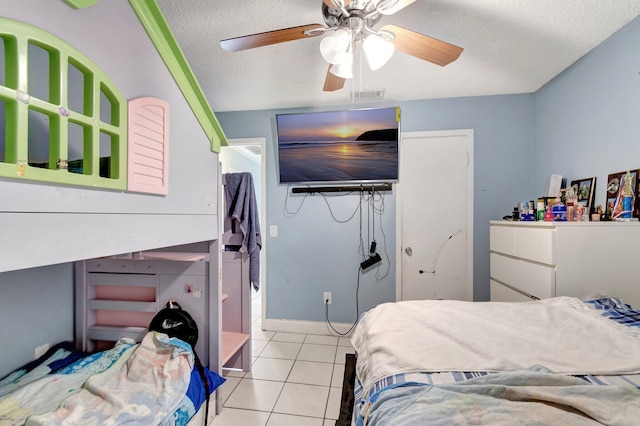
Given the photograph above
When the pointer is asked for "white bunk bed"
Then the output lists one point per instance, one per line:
(116, 296)
(46, 223)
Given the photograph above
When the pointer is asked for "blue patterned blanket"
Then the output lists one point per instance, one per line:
(535, 396)
(148, 383)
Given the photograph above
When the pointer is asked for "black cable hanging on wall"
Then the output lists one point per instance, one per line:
(368, 259)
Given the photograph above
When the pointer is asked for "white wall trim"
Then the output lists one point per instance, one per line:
(468, 133)
(246, 141)
(304, 327)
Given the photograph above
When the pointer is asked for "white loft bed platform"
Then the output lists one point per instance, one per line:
(53, 238)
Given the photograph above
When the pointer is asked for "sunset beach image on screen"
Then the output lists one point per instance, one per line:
(339, 146)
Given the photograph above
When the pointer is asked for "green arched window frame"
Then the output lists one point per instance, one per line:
(91, 123)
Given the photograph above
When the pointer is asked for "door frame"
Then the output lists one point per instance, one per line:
(468, 134)
(263, 215)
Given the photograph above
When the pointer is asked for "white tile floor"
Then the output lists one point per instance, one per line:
(296, 380)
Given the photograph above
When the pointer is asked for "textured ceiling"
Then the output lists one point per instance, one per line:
(510, 46)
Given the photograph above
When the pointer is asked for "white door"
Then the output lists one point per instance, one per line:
(435, 216)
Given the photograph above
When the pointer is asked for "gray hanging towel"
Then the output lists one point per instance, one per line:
(240, 198)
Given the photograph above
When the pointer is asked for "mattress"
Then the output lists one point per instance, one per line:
(414, 392)
(151, 382)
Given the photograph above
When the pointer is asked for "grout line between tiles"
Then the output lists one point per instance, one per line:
(336, 346)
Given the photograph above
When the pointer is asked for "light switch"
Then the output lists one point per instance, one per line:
(273, 231)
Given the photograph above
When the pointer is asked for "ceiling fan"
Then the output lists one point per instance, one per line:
(352, 22)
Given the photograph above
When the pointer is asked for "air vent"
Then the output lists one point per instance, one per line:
(370, 95)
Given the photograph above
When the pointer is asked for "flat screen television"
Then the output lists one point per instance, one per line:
(354, 146)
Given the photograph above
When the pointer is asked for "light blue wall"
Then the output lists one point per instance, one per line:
(313, 253)
(36, 307)
(587, 120)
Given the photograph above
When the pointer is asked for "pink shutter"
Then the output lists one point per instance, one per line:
(148, 146)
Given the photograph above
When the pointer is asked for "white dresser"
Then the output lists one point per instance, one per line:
(546, 259)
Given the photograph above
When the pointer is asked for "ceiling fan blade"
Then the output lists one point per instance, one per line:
(423, 47)
(401, 4)
(270, 37)
(332, 82)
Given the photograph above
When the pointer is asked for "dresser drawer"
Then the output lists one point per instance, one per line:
(502, 293)
(533, 243)
(532, 278)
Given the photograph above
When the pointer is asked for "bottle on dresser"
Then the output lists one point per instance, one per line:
(559, 211)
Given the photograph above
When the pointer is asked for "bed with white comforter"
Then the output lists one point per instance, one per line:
(555, 361)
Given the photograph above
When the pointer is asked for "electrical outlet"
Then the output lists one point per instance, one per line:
(41, 350)
(327, 298)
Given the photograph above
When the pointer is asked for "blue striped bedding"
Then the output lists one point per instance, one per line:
(611, 308)
(616, 310)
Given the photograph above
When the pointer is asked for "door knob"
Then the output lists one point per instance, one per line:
(409, 251)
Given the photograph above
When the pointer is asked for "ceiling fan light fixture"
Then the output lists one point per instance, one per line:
(377, 50)
(335, 47)
(343, 69)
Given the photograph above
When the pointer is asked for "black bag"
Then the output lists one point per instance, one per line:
(176, 322)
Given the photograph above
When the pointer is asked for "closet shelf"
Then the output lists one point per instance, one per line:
(121, 279)
(167, 255)
(232, 342)
(122, 305)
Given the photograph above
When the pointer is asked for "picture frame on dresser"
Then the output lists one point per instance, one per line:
(614, 185)
(585, 189)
